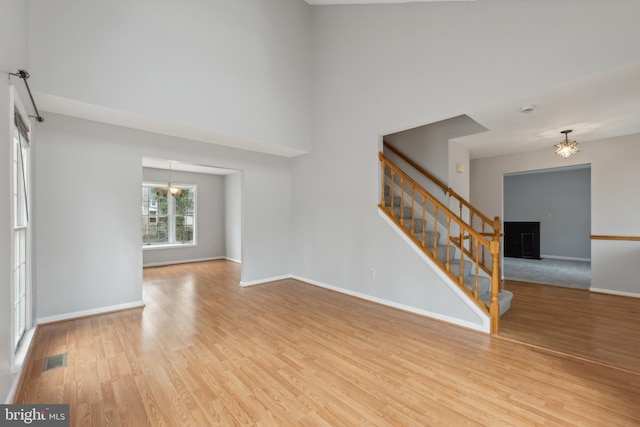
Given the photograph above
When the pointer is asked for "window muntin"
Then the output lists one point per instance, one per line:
(167, 219)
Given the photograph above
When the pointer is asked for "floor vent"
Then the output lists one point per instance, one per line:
(56, 361)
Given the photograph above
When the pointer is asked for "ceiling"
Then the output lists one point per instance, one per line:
(342, 2)
(99, 113)
(596, 107)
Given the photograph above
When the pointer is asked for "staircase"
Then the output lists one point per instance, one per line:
(465, 245)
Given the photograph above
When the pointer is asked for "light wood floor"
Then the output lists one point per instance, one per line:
(604, 328)
(206, 352)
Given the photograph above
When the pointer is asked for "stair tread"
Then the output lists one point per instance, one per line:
(484, 284)
(504, 300)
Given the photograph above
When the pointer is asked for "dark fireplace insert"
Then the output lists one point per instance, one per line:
(522, 239)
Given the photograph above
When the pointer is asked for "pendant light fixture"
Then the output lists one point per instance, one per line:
(566, 147)
(173, 190)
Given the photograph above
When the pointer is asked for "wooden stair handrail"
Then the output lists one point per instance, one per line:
(441, 206)
(461, 200)
(417, 167)
(475, 211)
(477, 239)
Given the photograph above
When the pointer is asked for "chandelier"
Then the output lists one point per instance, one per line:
(566, 147)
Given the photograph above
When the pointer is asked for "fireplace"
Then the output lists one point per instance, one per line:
(522, 239)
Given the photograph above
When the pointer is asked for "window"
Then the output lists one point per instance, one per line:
(21, 228)
(167, 219)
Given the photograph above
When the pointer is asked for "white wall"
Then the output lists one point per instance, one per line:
(88, 213)
(426, 146)
(432, 148)
(210, 217)
(380, 69)
(13, 56)
(459, 181)
(88, 229)
(240, 69)
(233, 215)
(615, 179)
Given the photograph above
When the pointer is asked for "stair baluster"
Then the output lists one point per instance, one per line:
(482, 283)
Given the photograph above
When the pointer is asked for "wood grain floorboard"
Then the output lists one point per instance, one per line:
(600, 327)
(206, 352)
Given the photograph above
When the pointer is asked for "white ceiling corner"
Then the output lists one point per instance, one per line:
(346, 2)
(148, 162)
(82, 110)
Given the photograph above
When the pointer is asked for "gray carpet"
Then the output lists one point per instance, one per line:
(547, 271)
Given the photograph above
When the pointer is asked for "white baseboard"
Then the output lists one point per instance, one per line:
(183, 261)
(485, 319)
(262, 281)
(237, 261)
(474, 326)
(407, 308)
(92, 312)
(566, 258)
(612, 292)
(18, 365)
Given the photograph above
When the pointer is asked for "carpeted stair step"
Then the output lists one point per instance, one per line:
(397, 200)
(504, 299)
(441, 251)
(418, 225)
(484, 284)
(402, 212)
(429, 236)
(387, 197)
(455, 267)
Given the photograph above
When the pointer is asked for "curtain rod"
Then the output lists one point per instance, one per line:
(24, 75)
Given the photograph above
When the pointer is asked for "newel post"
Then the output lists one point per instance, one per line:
(380, 157)
(494, 307)
(497, 233)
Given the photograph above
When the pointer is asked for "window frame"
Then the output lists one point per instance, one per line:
(171, 227)
(20, 166)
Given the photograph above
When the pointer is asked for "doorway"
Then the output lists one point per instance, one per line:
(214, 212)
(550, 210)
